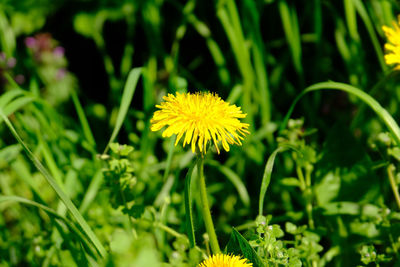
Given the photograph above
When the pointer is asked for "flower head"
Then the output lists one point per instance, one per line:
(202, 117)
(222, 260)
(392, 48)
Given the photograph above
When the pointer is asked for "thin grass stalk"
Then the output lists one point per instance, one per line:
(382, 113)
(87, 231)
(229, 18)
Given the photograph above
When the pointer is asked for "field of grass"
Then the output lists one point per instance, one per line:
(90, 177)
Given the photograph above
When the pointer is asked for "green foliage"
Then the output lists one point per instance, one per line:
(238, 245)
(270, 245)
(369, 255)
(120, 179)
(85, 182)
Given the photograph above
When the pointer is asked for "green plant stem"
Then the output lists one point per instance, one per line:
(309, 209)
(301, 178)
(168, 230)
(205, 208)
(86, 230)
(393, 184)
(160, 225)
(305, 186)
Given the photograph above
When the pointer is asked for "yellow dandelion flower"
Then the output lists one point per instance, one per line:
(202, 117)
(392, 48)
(222, 260)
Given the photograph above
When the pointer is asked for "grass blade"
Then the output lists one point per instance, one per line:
(67, 201)
(366, 98)
(188, 206)
(234, 179)
(17, 104)
(49, 211)
(8, 96)
(371, 31)
(292, 32)
(82, 118)
(91, 193)
(351, 19)
(267, 176)
(126, 100)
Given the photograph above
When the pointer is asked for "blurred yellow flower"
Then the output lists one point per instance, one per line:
(222, 260)
(202, 117)
(392, 48)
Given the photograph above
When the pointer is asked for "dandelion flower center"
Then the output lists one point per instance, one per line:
(392, 48)
(222, 260)
(202, 117)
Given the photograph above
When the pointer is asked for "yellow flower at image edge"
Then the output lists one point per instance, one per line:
(202, 117)
(222, 260)
(392, 48)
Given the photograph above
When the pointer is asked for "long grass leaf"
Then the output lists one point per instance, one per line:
(351, 19)
(188, 206)
(371, 31)
(367, 99)
(267, 175)
(67, 201)
(292, 33)
(49, 211)
(126, 100)
(17, 104)
(8, 96)
(83, 120)
(91, 192)
(234, 179)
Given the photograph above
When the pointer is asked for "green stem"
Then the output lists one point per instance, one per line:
(305, 186)
(205, 208)
(300, 175)
(393, 184)
(169, 230)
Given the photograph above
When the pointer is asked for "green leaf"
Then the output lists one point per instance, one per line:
(267, 176)
(28, 22)
(238, 245)
(292, 32)
(367, 99)
(188, 206)
(371, 31)
(126, 100)
(6, 97)
(83, 120)
(328, 188)
(234, 179)
(87, 231)
(277, 231)
(85, 24)
(291, 228)
(395, 152)
(50, 212)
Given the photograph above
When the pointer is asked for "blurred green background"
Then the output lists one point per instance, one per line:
(66, 77)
